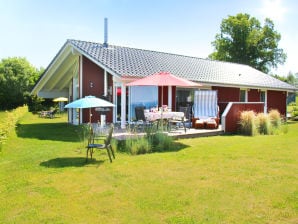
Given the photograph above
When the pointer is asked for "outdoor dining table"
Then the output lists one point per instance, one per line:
(153, 116)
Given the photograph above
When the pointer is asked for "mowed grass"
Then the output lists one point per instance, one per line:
(224, 179)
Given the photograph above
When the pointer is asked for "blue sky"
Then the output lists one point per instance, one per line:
(37, 29)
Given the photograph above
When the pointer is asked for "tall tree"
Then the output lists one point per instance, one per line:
(243, 40)
(17, 77)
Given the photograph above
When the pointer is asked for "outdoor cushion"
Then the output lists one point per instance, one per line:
(200, 124)
(211, 123)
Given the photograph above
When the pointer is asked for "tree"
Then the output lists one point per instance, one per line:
(17, 77)
(243, 40)
(291, 78)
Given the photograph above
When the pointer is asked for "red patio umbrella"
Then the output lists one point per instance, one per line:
(163, 79)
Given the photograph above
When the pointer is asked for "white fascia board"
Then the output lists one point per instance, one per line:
(55, 63)
(245, 86)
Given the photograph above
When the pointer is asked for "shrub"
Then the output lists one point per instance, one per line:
(151, 142)
(161, 142)
(275, 118)
(264, 124)
(248, 123)
(252, 124)
(294, 113)
(10, 122)
(138, 145)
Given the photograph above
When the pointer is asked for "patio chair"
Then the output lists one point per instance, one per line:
(106, 145)
(177, 121)
(140, 117)
(51, 113)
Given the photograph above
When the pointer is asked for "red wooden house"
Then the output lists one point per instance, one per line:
(83, 68)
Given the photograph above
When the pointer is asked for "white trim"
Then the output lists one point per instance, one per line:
(105, 83)
(81, 87)
(170, 97)
(216, 84)
(265, 102)
(123, 106)
(224, 114)
(52, 67)
(96, 62)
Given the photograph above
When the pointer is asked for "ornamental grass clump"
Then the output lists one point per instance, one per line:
(264, 124)
(275, 118)
(137, 146)
(161, 142)
(248, 123)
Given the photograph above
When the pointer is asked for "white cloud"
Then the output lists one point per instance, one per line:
(273, 9)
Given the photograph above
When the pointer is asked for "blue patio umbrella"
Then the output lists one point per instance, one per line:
(89, 102)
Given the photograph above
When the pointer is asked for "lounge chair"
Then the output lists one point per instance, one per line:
(205, 109)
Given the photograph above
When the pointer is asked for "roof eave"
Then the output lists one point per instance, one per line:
(249, 86)
(45, 76)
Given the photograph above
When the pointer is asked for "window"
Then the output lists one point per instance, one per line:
(243, 95)
(146, 96)
(183, 96)
(263, 96)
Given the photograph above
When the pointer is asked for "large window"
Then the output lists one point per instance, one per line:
(118, 102)
(184, 97)
(146, 96)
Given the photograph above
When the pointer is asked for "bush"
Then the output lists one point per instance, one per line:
(248, 123)
(252, 124)
(139, 145)
(275, 118)
(161, 142)
(264, 124)
(151, 142)
(294, 113)
(10, 122)
(36, 104)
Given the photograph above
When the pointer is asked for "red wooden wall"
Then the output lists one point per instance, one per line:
(232, 117)
(226, 95)
(92, 73)
(277, 100)
(163, 93)
(253, 95)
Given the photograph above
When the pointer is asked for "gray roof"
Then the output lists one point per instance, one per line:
(134, 62)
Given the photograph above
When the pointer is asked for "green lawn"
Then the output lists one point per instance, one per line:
(224, 179)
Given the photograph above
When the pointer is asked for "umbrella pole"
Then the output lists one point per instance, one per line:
(90, 115)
